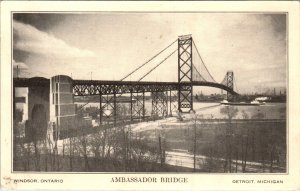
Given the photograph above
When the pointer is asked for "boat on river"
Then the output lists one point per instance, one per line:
(252, 103)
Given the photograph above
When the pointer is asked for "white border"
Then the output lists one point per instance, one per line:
(195, 181)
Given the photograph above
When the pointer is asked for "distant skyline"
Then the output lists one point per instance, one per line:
(110, 45)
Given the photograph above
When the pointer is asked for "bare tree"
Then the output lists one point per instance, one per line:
(230, 113)
(160, 150)
(271, 148)
(111, 141)
(44, 150)
(82, 144)
(262, 148)
(245, 145)
(95, 143)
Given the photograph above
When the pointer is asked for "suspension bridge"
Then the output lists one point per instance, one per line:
(55, 96)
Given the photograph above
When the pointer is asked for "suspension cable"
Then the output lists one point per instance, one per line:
(199, 73)
(197, 70)
(148, 61)
(158, 65)
(203, 62)
(224, 80)
(235, 85)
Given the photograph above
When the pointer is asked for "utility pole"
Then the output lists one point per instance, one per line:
(17, 71)
(160, 150)
(195, 140)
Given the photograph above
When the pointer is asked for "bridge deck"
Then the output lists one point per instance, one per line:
(97, 87)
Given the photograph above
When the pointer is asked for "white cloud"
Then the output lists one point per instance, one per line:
(32, 40)
(248, 44)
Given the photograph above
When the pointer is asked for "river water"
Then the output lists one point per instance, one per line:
(212, 110)
(268, 110)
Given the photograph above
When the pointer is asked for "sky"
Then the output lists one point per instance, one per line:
(107, 46)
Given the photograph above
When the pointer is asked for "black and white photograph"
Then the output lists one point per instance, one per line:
(150, 92)
(150, 95)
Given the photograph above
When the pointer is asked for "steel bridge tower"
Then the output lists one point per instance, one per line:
(230, 84)
(185, 74)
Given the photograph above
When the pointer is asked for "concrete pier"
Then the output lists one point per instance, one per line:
(62, 107)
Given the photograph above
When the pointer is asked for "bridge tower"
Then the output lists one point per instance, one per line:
(230, 84)
(185, 74)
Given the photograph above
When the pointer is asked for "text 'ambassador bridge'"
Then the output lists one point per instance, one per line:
(54, 99)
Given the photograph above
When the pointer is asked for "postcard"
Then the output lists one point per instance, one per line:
(150, 95)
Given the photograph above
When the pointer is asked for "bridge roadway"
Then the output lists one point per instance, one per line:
(103, 87)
